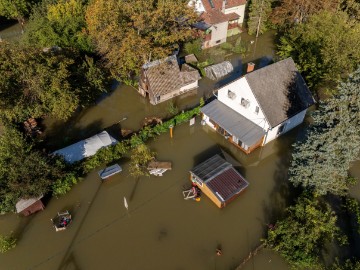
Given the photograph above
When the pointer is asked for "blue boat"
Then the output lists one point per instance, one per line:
(109, 171)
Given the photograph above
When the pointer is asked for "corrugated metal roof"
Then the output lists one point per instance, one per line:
(227, 184)
(233, 122)
(210, 168)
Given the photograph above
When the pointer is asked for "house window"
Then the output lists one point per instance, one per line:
(257, 109)
(218, 41)
(158, 98)
(281, 129)
(231, 95)
(245, 102)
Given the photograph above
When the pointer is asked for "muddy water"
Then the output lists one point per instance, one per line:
(160, 230)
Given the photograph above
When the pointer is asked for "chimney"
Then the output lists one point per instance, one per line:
(250, 67)
(223, 6)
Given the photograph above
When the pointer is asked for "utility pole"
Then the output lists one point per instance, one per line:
(259, 21)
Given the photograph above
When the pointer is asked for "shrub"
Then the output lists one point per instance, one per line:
(193, 47)
(63, 185)
(7, 243)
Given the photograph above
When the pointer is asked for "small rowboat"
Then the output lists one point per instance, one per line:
(61, 221)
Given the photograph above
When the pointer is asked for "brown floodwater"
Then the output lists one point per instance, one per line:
(160, 230)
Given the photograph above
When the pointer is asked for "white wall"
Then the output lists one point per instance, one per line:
(289, 124)
(240, 10)
(190, 86)
(197, 4)
(242, 90)
(218, 33)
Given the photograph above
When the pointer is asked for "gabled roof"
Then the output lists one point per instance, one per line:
(218, 4)
(25, 203)
(164, 76)
(220, 176)
(213, 10)
(280, 91)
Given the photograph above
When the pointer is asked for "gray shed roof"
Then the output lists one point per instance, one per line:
(233, 122)
(280, 90)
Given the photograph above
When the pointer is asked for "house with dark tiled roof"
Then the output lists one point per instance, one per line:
(219, 19)
(256, 108)
(218, 180)
(164, 79)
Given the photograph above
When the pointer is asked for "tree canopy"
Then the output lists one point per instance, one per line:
(24, 171)
(300, 236)
(130, 33)
(259, 12)
(16, 9)
(325, 48)
(290, 12)
(60, 23)
(322, 161)
(36, 83)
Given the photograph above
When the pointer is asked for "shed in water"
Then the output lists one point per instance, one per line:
(218, 180)
(218, 71)
(109, 171)
(27, 207)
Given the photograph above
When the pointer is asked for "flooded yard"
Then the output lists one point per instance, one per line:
(160, 230)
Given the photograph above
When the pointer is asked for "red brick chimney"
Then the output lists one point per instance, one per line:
(250, 67)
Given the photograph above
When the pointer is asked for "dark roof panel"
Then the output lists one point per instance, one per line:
(227, 184)
(210, 168)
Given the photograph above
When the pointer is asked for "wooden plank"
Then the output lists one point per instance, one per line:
(159, 165)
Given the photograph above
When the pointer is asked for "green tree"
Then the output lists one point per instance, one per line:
(24, 171)
(131, 33)
(7, 243)
(301, 235)
(16, 9)
(60, 23)
(321, 162)
(35, 83)
(259, 12)
(140, 157)
(325, 48)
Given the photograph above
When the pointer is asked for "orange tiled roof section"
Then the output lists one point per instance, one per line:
(218, 4)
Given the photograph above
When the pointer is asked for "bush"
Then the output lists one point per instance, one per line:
(64, 185)
(240, 47)
(193, 47)
(226, 46)
(7, 243)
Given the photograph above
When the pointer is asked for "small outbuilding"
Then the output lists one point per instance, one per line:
(218, 71)
(218, 180)
(27, 207)
(86, 148)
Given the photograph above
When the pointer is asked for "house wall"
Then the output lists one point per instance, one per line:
(218, 34)
(240, 10)
(190, 86)
(242, 90)
(289, 124)
(35, 207)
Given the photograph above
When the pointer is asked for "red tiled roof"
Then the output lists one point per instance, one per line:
(232, 16)
(218, 4)
(214, 16)
(227, 184)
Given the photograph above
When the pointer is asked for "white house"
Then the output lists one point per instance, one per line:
(260, 106)
(219, 19)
